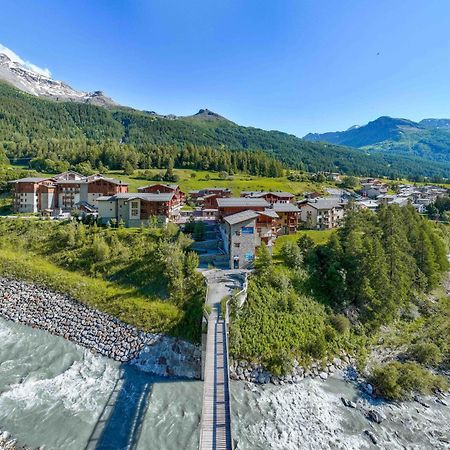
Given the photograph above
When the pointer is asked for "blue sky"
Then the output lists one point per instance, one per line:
(291, 65)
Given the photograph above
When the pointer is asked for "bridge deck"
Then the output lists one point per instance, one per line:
(216, 419)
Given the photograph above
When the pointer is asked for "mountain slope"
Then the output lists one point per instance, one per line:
(75, 132)
(12, 71)
(381, 129)
(428, 139)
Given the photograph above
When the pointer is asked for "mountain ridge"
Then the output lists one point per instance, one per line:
(40, 85)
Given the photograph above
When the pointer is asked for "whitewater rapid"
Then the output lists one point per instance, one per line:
(52, 393)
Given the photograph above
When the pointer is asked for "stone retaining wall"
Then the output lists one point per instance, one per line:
(61, 315)
(255, 373)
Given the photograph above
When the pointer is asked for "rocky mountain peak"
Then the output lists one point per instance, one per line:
(35, 81)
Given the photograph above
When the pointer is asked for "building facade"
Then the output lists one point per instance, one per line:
(139, 209)
(322, 214)
(64, 191)
(240, 239)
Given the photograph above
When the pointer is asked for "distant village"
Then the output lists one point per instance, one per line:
(242, 223)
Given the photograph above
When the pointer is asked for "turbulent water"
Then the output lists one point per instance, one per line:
(52, 394)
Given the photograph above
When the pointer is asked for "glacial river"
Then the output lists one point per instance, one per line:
(53, 392)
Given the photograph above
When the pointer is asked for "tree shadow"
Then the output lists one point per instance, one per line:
(119, 426)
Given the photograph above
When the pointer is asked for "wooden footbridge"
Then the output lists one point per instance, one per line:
(215, 430)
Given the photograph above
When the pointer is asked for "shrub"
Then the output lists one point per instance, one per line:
(426, 353)
(100, 250)
(292, 255)
(398, 381)
(340, 323)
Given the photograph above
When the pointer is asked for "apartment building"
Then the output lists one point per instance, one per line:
(322, 213)
(136, 209)
(64, 191)
(271, 197)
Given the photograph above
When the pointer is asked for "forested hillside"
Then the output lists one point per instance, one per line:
(428, 139)
(72, 133)
(370, 280)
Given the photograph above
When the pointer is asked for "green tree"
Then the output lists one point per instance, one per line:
(263, 260)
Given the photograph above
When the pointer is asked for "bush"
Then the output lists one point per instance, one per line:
(399, 381)
(340, 323)
(292, 255)
(426, 353)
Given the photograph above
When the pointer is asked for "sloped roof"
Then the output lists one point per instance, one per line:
(325, 203)
(285, 207)
(269, 213)
(162, 197)
(170, 186)
(241, 217)
(29, 180)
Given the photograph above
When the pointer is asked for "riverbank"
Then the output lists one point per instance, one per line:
(101, 333)
(52, 393)
(255, 373)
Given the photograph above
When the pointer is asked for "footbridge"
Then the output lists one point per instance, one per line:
(215, 430)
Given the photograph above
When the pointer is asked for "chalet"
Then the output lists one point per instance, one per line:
(371, 205)
(322, 213)
(239, 237)
(210, 201)
(373, 189)
(86, 190)
(164, 188)
(288, 217)
(198, 195)
(138, 209)
(271, 197)
(233, 205)
(63, 191)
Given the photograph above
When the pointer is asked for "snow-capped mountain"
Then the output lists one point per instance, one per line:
(29, 78)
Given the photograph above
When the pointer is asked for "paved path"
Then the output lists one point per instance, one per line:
(215, 431)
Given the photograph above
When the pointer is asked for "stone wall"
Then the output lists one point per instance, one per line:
(61, 315)
(255, 373)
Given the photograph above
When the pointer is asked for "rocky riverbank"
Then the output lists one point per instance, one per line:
(254, 373)
(63, 316)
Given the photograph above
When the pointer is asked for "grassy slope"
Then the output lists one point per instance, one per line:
(124, 303)
(237, 183)
(319, 237)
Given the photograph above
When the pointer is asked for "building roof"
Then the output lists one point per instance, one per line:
(242, 216)
(91, 179)
(64, 175)
(325, 203)
(269, 213)
(29, 180)
(368, 203)
(285, 207)
(242, 202)
(170, 186)
(162, 197)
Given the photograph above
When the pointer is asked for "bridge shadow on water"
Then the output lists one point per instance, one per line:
(120, 424)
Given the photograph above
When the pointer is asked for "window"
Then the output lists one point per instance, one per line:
(237, 244)
(135, 209)
(249, 256)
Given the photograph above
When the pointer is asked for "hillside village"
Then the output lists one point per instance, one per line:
(237, 225)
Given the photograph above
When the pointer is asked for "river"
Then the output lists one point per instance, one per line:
(52, 393)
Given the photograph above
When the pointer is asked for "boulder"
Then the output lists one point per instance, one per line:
(375, 416)
(348, 403)
(371, 436)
